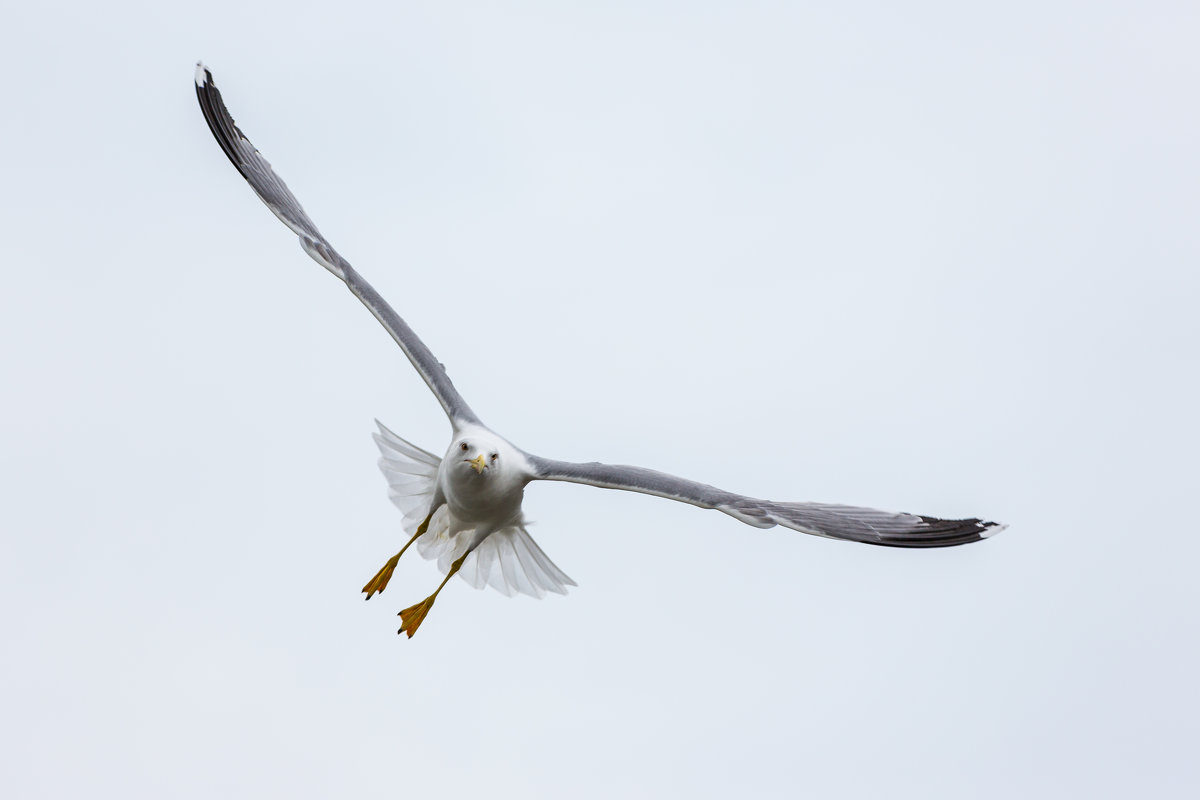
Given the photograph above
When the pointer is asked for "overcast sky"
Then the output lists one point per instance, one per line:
(922, 257)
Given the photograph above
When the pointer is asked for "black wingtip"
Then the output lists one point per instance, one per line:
(936, 532)
(217, 116)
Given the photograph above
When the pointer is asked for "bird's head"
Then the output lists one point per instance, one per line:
(478, 453)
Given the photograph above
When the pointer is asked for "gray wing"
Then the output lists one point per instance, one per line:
(866, 525)
(272, 191)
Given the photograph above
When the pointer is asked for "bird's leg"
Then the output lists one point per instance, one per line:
(380, 581)
(412, 617)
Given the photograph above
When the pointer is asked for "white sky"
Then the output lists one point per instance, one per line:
(910, 256)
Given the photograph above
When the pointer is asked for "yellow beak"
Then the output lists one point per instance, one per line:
(478, 463)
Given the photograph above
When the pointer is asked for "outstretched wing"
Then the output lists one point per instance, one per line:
(866, 525)
(411, 473)
(271, 189)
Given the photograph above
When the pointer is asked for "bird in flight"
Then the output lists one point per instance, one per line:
(464, 509)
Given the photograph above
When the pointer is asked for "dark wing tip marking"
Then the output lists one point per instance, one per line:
(223, 128)
(936, 532)
(870, 526)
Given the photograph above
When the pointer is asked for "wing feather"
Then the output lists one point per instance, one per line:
(271, 189)
(411, 474)
(850, 523)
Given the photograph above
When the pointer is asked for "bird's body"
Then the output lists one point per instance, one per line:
(483, 478)
(464, 509)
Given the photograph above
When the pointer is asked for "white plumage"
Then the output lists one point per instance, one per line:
(508, 560)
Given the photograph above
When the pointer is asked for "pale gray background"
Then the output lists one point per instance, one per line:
(916, 257)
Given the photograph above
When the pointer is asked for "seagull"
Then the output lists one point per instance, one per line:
(464, 509)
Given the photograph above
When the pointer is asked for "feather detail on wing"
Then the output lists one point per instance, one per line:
(850, 523)
(271, 189)
(411, 474)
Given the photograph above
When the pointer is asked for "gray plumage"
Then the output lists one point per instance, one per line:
(866, 525)
(271, 189)
(414, 473)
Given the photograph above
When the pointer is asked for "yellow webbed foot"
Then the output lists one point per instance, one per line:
(380, 581)
(412, 617)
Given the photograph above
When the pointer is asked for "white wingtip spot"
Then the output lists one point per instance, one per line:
(991, 530)
(201, 74)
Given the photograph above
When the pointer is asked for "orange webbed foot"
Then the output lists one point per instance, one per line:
(412, 617)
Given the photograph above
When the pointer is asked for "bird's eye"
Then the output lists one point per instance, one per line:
(495, 456)
(463, 447)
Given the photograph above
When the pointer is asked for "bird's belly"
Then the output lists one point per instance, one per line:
(475, 504)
